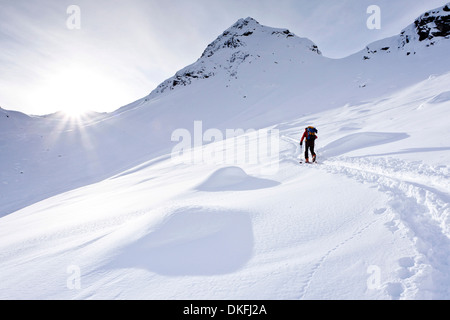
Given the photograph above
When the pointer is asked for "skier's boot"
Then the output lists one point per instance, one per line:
(307, 160)
(314, 158)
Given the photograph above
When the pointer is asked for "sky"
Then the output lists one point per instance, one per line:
(103, 54)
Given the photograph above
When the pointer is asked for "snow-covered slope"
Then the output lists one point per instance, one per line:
(251, 76)
(121, 218)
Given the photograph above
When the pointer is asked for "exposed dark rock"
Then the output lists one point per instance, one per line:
(239, 56)
(443, 25)
(233, 42)
(183, 79)
(286, 33)
(428, 27)
(242, 23)
(315, 48)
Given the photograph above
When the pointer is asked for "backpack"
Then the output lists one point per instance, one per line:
(311, 133)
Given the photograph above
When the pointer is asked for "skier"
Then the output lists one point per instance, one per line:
(310, 135)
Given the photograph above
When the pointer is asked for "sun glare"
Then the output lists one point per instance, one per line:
(76, 90)
(75, 113)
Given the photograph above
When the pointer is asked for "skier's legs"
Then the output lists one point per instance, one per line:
(307, 146)
(311, 147)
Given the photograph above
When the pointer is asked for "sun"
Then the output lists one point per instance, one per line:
(75, 113)
(75, 90)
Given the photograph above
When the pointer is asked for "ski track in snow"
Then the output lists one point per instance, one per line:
(420, 203)
(423, 210)
(321, 261)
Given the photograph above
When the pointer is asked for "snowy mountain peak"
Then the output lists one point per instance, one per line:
(247, 22)
(233, 36)
(430, 29)
(237, 36)
(245, 41)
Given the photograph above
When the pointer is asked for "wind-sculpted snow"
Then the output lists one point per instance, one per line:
(234, 178)
(192, 241)
(358, 141)
(443, 97)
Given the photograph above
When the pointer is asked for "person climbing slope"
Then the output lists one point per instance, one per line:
(310, 135)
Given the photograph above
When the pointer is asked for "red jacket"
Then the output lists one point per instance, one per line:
(305, 136)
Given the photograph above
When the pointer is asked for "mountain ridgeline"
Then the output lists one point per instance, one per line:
(243, 40)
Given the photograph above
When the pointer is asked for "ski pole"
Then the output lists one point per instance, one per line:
(301, 150)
